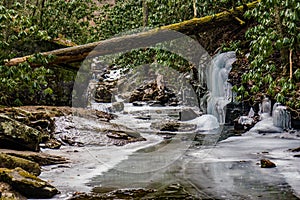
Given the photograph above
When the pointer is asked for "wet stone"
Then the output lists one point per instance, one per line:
(265, 163)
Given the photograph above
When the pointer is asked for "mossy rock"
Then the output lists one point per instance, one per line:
(11, 162)
(36, 157)
(7, 193)
(26, 183)
(15, 135)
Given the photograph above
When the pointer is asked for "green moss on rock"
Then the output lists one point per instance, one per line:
(26, 183)
(15, 135)
(11, 162)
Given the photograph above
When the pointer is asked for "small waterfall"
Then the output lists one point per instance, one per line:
(219, 90)
(281, 116)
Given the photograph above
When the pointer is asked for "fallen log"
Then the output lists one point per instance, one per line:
(140, 40)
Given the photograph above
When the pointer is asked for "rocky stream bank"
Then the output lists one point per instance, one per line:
(27, 131)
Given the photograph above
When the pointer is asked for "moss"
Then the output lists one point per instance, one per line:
(26, 183)
(18, 135)
(12, 162)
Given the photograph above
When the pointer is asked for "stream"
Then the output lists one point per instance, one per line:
(196, 162)
(199, 159)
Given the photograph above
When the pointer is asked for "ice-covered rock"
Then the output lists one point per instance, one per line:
(265, 126)
(205, 122)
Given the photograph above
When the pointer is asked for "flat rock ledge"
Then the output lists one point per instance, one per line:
(12, 162)
(26, 183)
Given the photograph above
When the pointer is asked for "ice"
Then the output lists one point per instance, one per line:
(205, 122)
(219, 89)
(265, 126)
(281, 116)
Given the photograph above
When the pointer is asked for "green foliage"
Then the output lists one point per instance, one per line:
(24, 22)
(127, 15)
(271, 41)
(151, 56)
(22, 81)
(69, 19)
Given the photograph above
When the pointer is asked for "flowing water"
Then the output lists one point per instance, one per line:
(192, 158)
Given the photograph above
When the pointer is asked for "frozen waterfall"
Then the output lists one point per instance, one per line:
(281, 116)
(220, 93)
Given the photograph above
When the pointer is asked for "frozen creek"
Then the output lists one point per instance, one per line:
(197, 160)
(205, 168)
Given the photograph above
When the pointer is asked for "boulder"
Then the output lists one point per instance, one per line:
(15, 135)
(117, 106)
(265, 163)
(187, 114)
(27, 184)
(11, 162)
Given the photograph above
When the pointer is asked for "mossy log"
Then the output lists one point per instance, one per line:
(143, 39)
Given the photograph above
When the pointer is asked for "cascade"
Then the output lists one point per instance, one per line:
(219, 90)
(281, 116)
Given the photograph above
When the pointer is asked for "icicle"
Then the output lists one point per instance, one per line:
(265, 109)
(219, 89)
(251, 113)
(281, 116)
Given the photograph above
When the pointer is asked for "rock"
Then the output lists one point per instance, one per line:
(297, 156)
(265, 126)
(11, 162)
(104, 116)
(38, 117)
(7, 193)
(295, 149)
(117, 106)
(295, 123)
(15, 135)
(265, 163)
(121, 137)
(154, 90)
(135, 193)
(40, 158)
(245, 123)
(52, 144)
(104, 92)
(187, 114)
(173, 126)
(27, 184)
(103, 95)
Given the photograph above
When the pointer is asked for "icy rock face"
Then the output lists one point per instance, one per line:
(219, 89)
(281, 116)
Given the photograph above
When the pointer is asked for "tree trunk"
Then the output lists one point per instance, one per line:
(145, 13)
(139, 40)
